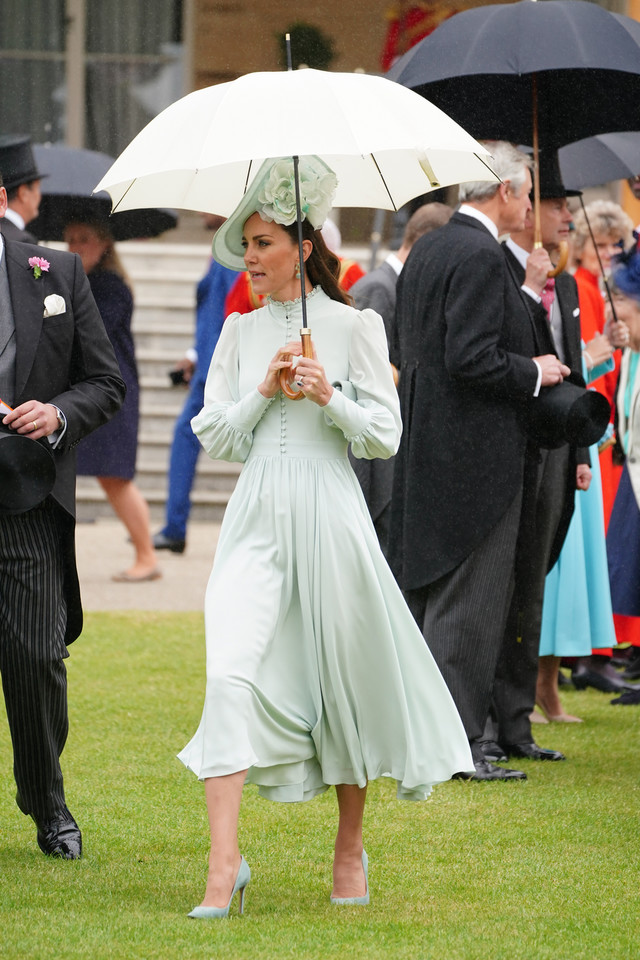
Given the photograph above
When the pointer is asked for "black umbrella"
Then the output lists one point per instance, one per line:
(479, 67)
(600, 159)
(67, 195)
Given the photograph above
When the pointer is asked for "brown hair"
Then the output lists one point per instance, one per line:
(110, 259)
(322, 266)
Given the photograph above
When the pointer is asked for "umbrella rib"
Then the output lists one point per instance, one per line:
(246, 181)
(114, 209)
(385, 183)
(477, 155)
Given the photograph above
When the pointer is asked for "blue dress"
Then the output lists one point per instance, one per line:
(576, 614)
(110, 451)
(623, 535)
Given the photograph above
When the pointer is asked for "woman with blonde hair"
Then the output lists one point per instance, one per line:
(602, 231)
(109, 453)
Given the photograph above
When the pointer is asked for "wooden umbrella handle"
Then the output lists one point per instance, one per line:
(285, 382)
(563, 257)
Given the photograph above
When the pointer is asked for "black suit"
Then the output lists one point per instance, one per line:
(65, 359)
(548, 502)
(11, 232)
(465, 338)
(377, 291)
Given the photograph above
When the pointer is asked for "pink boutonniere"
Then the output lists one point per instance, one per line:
(39, 266)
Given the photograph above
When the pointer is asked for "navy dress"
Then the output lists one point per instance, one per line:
(110, 451)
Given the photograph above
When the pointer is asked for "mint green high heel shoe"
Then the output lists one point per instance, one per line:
(357, 901)
(210, 913)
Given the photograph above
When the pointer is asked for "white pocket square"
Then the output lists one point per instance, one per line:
(53, 305)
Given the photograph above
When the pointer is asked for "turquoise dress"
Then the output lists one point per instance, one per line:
(576, 614)
(317, 673)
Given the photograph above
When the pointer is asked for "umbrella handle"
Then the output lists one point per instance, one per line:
(307, 351)
(562, 259)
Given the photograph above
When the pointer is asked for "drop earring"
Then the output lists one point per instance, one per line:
(297, 269)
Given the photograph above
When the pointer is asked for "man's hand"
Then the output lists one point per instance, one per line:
(553, 371)
(583, 476)
(538, 267)
(33, 419)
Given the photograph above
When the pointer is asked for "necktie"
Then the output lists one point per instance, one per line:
(548, 294)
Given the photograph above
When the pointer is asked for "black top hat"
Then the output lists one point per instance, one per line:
(17, 163)
(27, 471)
(551, 185)
(567, 413)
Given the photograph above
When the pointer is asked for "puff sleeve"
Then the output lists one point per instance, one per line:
(225, 424)
(366, 407)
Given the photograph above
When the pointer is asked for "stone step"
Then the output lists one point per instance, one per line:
(91, 504)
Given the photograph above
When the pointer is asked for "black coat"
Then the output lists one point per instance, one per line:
(67, 360)
(465, 337)
(567, 296)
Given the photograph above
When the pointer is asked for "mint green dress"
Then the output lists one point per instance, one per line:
(316, 671)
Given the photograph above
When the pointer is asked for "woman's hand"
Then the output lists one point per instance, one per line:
(618, 333)
(597, 351)
(312, 380)
(282, 361)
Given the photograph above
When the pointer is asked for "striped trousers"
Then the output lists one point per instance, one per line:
(32, 652)
(463, 616)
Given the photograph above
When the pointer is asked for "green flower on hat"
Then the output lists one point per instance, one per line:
(277, 198)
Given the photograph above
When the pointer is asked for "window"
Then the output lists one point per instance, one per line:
(89, 72)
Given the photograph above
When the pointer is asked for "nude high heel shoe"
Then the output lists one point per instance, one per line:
(210, 913)
(357, 901)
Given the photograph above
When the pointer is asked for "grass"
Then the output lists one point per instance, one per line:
(542, 870)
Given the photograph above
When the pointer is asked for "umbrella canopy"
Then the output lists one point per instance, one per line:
(385, 144)
(67, 194)
(600, 159)
(478, 67)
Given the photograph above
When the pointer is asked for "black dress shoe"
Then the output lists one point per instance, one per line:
(161, 542)
(492, 751)
(531, 751)
(629, 697)
(583, 678)
(632, 666)
(487, 771)
(60, 836)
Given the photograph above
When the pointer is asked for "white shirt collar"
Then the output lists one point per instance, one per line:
(1, 244)
(519, 253)
(470, 211)
(15, 218)
(395, 263)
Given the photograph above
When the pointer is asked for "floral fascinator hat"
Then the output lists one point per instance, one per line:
(272, 194)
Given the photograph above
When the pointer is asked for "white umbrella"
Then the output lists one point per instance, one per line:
(385, 143)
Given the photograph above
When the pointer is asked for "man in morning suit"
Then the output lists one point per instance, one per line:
(22, 183)
(470, 363)
(377, 290)
(551, 478)
(59, 373)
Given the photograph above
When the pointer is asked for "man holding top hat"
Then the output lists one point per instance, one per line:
(22, 183)
(472, 363)
(59, 380)
(551, 477)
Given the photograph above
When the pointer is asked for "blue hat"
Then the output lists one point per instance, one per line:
(626, 271)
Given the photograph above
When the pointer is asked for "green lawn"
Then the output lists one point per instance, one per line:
(542, 870)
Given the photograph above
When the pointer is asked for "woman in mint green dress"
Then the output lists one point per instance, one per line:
(317, 674)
